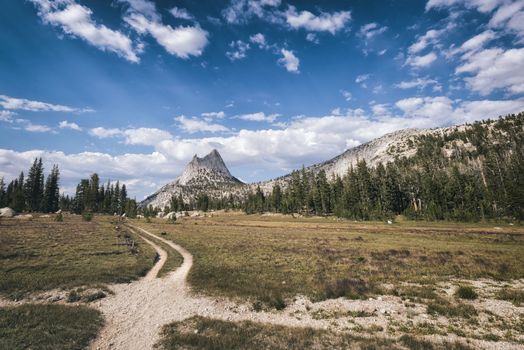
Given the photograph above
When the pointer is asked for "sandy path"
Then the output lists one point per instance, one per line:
(137, 311)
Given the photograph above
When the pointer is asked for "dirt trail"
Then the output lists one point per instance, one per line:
(137, 311)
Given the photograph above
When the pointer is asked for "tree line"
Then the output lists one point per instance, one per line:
(468, 174)
(93, 197)
(31, 193)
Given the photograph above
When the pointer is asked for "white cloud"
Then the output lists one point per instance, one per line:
(181, 13)
(64, 124)
(193, 125)
(259, 117)
(312, 37)
(325, 22)
(219, 115)
(346, 94)
(436, 108)
(29, 126)
(431, 37)
(182, 41)
(240, 11)
(421, 61)
(361, 78)
(478, 41)
(7, 116)
(304, 140)
(36, 106)
(239, 50)
(370, 30)
(481, 5)
(145, 136)
(420, 83)
(260, 40)
(145, 7)
(289, 60)
(75, 20)
(104, 133)
(493, 69)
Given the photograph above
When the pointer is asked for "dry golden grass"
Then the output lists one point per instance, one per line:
(276, 257)
(41, 254)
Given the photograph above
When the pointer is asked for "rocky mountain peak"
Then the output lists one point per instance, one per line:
(212, 163)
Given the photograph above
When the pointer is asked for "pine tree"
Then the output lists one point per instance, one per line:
(34, 186)
(51, 191)
(3, 194)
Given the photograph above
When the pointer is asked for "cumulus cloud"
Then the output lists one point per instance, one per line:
(346, 94)
(194, 125)
(475, 43)
(64, 124)
(259, 117)
(145, 136)
(238, 50)
(495, 68)
(289, 61)
(304, 140)
(420, 83)
(219, 115)
(7, 116)
(325, 22)
(481, 5)
(182, 41)
(14, 103)
(312, 37)
(260, 40)
(104, 133)
(181, 13)
(421, 61)
(430, 37)
(370, 30)
(76, 20)
(240, 11)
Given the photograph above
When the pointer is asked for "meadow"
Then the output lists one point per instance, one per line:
(57, 267)
(271, 258)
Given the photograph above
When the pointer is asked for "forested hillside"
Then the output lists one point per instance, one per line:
(467, 173)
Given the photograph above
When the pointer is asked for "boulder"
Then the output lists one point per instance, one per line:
(7, 212)
(24, 217)
(59, 211)
(170, 215)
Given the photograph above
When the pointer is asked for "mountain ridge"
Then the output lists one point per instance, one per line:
(209, 175)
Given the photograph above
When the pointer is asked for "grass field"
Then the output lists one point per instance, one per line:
(48, 327)
(41, 254)
(208, 334)
(273, 258)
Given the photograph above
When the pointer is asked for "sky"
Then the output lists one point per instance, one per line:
(132, 89)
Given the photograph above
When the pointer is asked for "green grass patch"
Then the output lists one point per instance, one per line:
(466, 292)
(210, 334)
(48, 327)
(43, 254)
(444, 308)
(515, 296)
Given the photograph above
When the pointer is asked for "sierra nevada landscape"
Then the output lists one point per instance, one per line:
(262, 174)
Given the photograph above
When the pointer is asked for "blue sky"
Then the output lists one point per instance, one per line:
(131, 89)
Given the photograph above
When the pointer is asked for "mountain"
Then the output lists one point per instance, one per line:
(208, 175)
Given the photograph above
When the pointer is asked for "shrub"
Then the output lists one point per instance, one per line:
(87, 216)
(351, 288)
(73, 297)
(466, 292)
(148, 219)
(514, 295)
(442, 307)
(95, 296)
(59, 217)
